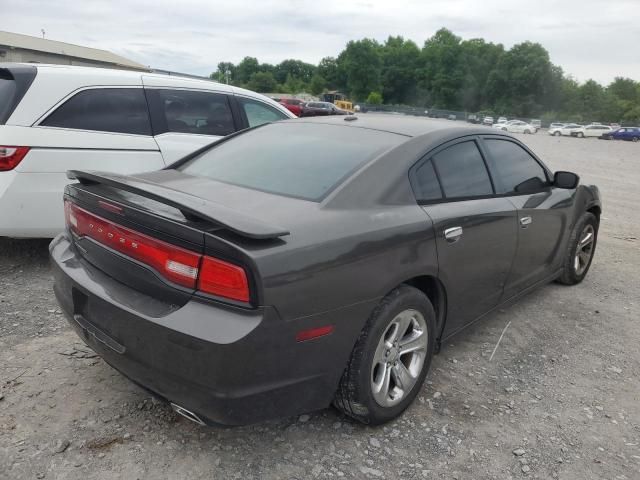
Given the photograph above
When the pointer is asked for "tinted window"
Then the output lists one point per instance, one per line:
(425, 183)
(462, 171)
(120, 110)
(514, 169)
(259, 113)
(294, 159)
(203, 113)
(7, 95)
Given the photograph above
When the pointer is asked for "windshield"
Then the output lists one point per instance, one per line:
(303, 160)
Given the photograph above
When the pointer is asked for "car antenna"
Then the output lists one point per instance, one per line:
(350, 118)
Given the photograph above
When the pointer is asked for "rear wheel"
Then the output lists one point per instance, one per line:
(635, 139)
(390, 359)
(528, 132)
(580, 250)
(556, 134)
(580, 135)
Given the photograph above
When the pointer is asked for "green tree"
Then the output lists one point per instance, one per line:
(262, 82)
(335, 76)
(374, 98)
(362, 64)
(221, 74)
(317, 84)
(293, 84)
(399, 75)
(442, 72)
(294, 68)
(246, 69)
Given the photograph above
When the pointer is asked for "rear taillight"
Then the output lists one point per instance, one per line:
(176, 264)
(10, 157)
(223, 279)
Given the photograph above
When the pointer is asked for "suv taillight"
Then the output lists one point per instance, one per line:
(178, 265)
(10, 157)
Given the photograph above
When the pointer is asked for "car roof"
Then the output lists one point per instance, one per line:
(408, 126)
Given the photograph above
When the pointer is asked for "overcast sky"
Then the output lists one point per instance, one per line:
(587, 38)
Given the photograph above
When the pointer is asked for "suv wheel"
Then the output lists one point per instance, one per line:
(580, 250)
(390, 359)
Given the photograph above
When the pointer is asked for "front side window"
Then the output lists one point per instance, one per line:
(118, 110)
(195, 112)
(259, 113)
(514, 170)
(462, 171)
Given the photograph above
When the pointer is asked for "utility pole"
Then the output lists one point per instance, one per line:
(42, 30)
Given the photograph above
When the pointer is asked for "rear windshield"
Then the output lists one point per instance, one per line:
(303, 160)
(7, 94)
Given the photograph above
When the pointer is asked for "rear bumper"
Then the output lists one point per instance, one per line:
(228, 365)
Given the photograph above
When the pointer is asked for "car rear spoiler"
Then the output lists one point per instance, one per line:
(226, 217)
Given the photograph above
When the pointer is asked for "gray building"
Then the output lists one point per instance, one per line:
(15, 47)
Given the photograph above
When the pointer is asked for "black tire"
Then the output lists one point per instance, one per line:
(580, 135)
(354, 396)
(527, 132)
(634, 139)
(571, 275)
(556, 134)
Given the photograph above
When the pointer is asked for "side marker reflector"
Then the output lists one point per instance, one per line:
(312, 333)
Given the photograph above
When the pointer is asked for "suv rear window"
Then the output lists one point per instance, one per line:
(117, 110)
(297, 160)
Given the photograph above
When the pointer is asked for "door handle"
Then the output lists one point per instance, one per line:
(525, 221)
(453, 234)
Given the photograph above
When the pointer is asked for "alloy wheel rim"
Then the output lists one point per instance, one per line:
(584, 251)
(399, 358)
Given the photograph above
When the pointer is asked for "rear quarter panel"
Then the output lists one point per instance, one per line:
(356, 257)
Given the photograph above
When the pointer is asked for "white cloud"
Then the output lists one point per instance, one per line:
(587, 38)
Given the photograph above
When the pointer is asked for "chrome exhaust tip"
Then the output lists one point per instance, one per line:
(189, 415)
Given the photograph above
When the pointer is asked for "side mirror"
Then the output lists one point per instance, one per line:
(566, 180)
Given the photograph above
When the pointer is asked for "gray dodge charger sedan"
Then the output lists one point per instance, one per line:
(310, 262)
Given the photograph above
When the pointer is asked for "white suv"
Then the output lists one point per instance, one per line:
(57, 118)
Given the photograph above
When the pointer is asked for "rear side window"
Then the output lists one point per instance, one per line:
(425, 183)
(514, 170)
(14, 83)
(462, 171)
(118, 110)
(203, 113)
(7, 94)
(259, 113)
(292, 159)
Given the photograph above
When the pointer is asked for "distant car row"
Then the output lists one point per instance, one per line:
(604, 132)
(311, 109)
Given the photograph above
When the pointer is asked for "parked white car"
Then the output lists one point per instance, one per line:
(56, 118)
(568, 128)
(502, 120)
(487, 121)
(554, 129)
(516, 126)
(594, 130)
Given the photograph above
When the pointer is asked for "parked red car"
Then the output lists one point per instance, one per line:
(294, 105)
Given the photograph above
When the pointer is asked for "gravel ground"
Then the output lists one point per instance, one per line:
(558, 400)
